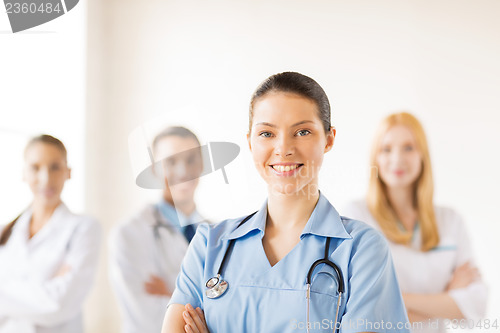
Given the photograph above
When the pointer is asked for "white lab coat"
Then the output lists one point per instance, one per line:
(429, 272)
(32, 300)
(136, 254)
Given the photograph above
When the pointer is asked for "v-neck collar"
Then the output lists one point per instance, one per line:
(45, 231)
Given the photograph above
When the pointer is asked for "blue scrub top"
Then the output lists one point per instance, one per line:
(261, 298)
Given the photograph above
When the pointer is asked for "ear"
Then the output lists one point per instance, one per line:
(249, 141)
(330, 138)
(69, 174)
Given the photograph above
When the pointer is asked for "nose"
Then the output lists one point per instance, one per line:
(396, 156)
(181, 170)
(284, 147)
(43, 176)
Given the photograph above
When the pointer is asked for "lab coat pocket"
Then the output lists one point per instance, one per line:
(324, 300)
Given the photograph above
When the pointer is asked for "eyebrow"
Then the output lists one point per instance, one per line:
(296, 124)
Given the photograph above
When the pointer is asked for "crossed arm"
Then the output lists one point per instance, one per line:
(421, 307)
(184, 319)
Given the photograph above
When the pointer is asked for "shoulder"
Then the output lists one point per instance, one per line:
(365, 237)
(84, 224)
(134, 224)
(358, 210)
(447, 214)
(215, 233)
(448, 220)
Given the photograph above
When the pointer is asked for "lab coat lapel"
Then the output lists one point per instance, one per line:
(52, 224)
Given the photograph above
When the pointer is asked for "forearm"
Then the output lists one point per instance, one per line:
(46, 304)
(138, 308)
(439, 305)
(55, 300)
(173, 322)
(20, 298)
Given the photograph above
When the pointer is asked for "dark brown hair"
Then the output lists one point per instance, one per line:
(7, 230)
(295, 83)
(175, 131)
(50, 140)
(44, 138)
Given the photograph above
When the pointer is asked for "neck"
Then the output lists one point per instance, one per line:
(41, 214)
(290, 211)
(402, 200)
(186, 207)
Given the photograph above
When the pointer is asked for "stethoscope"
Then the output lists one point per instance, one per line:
(216, 286)
(160, 222)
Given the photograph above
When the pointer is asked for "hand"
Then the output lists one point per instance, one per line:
(415, 316)
(463, 276)
(195, 320)
(156, 286)
(62, 270)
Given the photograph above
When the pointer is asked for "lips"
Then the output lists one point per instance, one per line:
(48, 192)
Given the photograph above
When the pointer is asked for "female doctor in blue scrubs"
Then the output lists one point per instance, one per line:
(273, 250)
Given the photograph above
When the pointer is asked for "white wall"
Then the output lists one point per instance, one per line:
(42, 90)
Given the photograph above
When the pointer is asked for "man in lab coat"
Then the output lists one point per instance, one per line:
(146, 251)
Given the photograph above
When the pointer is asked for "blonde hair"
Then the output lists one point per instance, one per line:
(377, 200)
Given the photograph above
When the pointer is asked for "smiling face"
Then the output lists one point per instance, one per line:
(398, 160)
(45, 172)
(288, 141)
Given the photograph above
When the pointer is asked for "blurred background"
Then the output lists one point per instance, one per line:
(108, 68)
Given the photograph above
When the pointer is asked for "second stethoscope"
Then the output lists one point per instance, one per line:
(159, 223)
(216, 286)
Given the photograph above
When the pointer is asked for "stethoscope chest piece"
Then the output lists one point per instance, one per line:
(216, 287)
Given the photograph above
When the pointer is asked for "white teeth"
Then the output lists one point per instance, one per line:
(282, 168)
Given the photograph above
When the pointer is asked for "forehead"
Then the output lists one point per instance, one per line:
(398, 134)
(40, 152)
(284, 108)
(172, 144)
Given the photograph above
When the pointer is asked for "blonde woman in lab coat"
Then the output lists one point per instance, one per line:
(430, 245)
(48, 255)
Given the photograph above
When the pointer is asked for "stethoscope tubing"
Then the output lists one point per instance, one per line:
(230, 246)
(213, 283)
